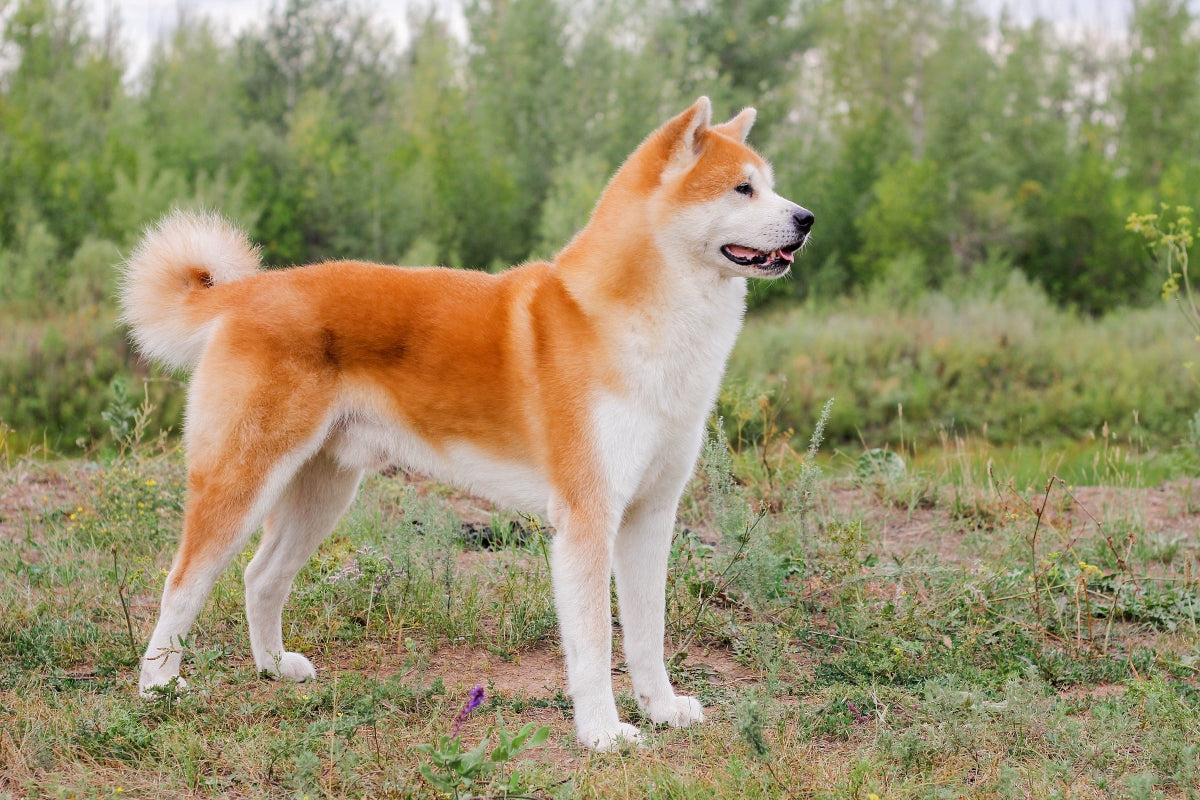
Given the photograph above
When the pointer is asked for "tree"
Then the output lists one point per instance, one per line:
(61, 118)
(311, 81)
(1158, 94)
(315, 44)
(192, 114)
(751, 47)
(518, 90)
(1080, 251)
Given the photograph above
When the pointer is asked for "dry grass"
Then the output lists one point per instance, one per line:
(917, 642)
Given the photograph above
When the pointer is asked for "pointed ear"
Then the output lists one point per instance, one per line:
(683, 135)
(699, 118)
(738, 127)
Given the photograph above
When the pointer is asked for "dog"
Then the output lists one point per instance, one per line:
(576, 390)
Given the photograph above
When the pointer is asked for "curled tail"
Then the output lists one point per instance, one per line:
(165, 282)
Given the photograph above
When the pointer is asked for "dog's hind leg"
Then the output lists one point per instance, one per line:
(304, 515)
(229, 493)
(219, 519)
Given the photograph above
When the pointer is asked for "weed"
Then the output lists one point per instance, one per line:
(119, 736)
(761, 647)
(127, 423)
(1005, 369)
(452, 770)
(523, 603)
(801, 494)
(879, 465)
(1167, 238)
(748, 715)
(701, 577)
(750, 718)
(120, 579)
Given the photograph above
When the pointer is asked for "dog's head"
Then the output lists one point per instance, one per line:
(713, 200)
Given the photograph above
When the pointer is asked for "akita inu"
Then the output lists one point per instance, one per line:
(577, 390)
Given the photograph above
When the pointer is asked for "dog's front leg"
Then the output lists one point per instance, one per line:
(581, 568)
(643, 547)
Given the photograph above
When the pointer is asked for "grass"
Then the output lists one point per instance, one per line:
(946, 630)
(1004, 367)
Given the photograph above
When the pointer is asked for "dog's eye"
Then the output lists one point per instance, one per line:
(744, 188)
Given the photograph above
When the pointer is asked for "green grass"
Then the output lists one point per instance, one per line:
(1005, 367)
(938, 633)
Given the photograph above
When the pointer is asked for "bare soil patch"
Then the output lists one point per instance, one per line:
(30, 492)
(897, 526)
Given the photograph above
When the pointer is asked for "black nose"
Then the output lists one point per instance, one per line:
(804, 220)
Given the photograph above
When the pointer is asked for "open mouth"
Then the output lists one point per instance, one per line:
(764, 260)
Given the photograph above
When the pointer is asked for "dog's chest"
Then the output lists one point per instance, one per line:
(671, 369)
(672, 363)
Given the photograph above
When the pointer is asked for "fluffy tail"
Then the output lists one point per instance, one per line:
(166, 280)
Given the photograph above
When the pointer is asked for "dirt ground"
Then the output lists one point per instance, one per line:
(33, 493)
(897, 528)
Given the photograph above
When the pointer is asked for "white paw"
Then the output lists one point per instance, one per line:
(290, 666)
(608, 740)
(152, 685)
(677, 711)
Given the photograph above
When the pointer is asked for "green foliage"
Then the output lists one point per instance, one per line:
(877, 464)
(1159, 94)
(750, 722)
(1080, 254)
(125, 423)
(452, 770)
(926, 130)
(906, 219)
(1007, 366)
(122, 737)
(1168, 237)
(575, 186)
(55, 375)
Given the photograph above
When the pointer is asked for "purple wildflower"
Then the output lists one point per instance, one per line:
(474, 700)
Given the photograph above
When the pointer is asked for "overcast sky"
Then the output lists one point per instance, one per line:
(143, 21)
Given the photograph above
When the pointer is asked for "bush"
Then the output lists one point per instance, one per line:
(55, 377)
(1007, 367)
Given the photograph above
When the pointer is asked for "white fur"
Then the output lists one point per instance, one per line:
(153, 299)
(363, 440)
(302, 517)
(648, 438)
(763, 222)
(180, 605)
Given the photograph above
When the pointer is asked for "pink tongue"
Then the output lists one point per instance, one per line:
(785, 255)
(743, 252)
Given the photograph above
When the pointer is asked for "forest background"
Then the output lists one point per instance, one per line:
(971, 175)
